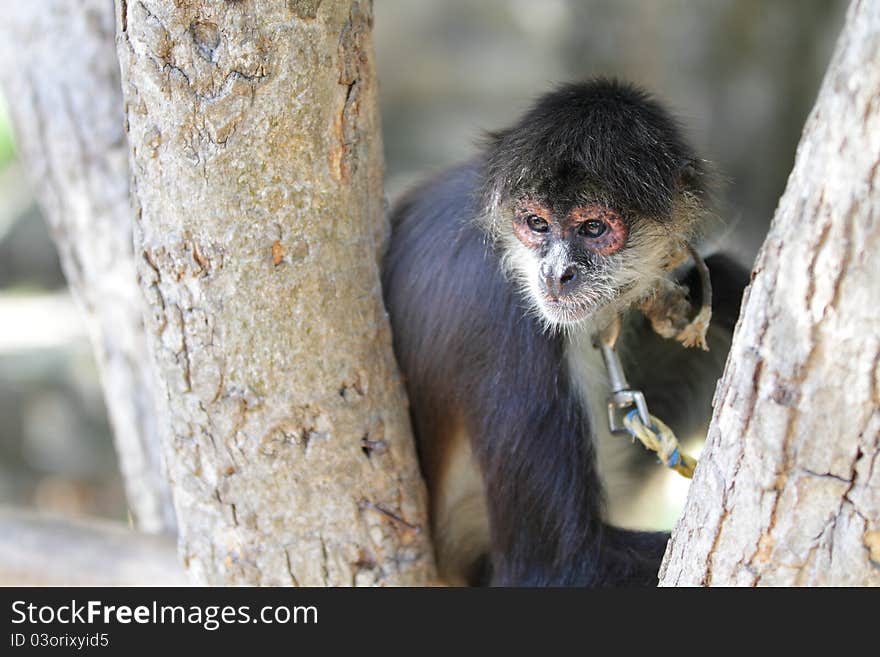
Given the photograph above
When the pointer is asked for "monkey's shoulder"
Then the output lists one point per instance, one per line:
(436, 245)
(443, 282)
(445, 201)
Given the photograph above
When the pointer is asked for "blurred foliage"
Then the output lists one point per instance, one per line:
(7, 143)
(56, 450)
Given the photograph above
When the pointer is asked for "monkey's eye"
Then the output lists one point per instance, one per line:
(537, 224)
(593, 228)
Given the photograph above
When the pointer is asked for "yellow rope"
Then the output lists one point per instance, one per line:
(659, 438)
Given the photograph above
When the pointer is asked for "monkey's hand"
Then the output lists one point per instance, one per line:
(669, 310)
(694, 334)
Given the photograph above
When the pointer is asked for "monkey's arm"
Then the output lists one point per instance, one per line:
(668, 308)
(679, 383)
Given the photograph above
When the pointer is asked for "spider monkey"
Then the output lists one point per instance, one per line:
(497, 273)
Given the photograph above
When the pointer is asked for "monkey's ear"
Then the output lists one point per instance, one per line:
(690, 171)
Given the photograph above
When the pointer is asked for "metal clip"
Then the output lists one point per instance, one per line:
(622, 396)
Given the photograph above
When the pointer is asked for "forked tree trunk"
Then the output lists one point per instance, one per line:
(61, 80)
(788, 490)
(257, 185)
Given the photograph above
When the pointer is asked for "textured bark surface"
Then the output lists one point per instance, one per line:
(257, 183)
(60, 76)
(788, 490)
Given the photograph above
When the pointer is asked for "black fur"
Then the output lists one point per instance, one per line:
(601, 140)
(470, 350)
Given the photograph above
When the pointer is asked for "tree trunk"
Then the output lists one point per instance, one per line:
(788, 491)
(61, 81)
(257, 185)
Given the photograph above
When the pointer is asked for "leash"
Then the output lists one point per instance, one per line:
(637, 421)
(666, 311)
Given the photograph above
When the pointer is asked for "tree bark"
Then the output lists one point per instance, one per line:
(61, 81)
(257, 185)
(788, 491)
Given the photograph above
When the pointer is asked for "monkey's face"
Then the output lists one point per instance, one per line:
(602, 191)
(574, 262)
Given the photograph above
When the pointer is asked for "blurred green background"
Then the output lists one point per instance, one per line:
(741, 74)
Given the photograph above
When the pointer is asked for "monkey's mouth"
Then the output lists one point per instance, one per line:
(568, 310)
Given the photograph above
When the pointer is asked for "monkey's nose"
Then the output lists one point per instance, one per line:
(561, 283)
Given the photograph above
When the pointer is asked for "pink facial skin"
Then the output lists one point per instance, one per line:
(615, 233)
(610, 241)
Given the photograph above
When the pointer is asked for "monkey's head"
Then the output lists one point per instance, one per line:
(590, 198)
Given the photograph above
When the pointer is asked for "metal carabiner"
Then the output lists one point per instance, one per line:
(622, 396)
